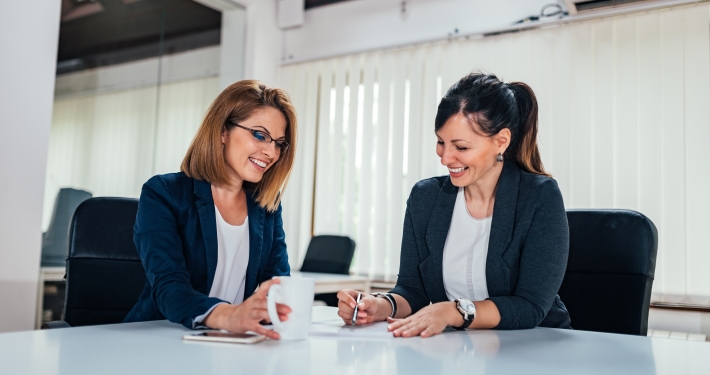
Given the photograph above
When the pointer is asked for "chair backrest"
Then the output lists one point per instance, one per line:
(104, 273)
(612, 259)
(56, 238)
(329, 254)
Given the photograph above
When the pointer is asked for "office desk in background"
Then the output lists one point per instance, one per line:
(156, 347)
(325, 283)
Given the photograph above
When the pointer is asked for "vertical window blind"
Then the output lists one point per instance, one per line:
(624, 123)
(110, 143)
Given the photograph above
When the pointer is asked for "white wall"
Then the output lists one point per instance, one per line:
(30, 32)
(354, 26)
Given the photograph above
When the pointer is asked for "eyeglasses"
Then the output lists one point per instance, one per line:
(263, 139)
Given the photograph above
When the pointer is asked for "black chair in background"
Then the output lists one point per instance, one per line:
(329, 254)
(104, 273)
(612, 260)
(56, 238)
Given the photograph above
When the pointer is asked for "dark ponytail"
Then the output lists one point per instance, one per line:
(494, 106)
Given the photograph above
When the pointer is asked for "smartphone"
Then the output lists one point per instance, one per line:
(218, 336)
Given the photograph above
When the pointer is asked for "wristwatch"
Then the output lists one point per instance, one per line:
(467, 310)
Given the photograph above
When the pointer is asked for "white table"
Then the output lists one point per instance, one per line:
(156, 347)
(325, 283)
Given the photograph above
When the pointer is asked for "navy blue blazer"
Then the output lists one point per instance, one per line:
(527, 249)
(176, 238)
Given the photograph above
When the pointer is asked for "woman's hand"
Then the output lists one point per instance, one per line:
(427, 322)
(369, 309)
(246, 316)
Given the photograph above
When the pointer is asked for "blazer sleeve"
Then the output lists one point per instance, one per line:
(161, 251)
(409, 281)
(543, 262)
(277, 264)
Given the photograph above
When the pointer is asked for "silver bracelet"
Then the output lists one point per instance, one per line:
(389, 298)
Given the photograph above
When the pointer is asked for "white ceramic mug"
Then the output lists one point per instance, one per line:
(296, 293)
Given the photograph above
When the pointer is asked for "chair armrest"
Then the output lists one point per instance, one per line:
(55, 324)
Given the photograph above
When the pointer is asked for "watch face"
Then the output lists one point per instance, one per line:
(467, 305)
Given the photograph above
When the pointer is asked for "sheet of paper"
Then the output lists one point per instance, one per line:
(326, 322)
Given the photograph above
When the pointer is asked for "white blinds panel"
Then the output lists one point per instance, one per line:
(362, 257)
(324, 195)
(672, 234)
(181, 109)
(450, 60)
(625, 136)
(521, 45)
(580, 123)
(430, 99)
(381, 161)
(561, 115)
(650, 141)
(395, 211)
(350, 144)
(697, 148)
(294, 81)
(335, 172)
(540, 81)
(603, 115)
(307, 145)
(417, 123)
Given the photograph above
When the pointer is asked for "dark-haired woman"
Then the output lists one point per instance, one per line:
(487, 245)
(210, 234)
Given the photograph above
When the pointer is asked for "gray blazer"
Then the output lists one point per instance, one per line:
(527, 250)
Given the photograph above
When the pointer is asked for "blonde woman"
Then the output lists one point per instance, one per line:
(210, 234)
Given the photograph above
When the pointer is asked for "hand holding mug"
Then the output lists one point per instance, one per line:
(247, 316)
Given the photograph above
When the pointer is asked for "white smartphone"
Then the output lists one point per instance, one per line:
(218, 336)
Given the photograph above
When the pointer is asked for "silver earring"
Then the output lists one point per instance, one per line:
(499, 158)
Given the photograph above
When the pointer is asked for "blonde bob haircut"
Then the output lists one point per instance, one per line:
(205, 159)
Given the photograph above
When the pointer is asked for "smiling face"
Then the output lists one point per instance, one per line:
(470, 155)
(246, 158)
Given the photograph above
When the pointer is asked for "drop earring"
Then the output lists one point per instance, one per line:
(499, 158)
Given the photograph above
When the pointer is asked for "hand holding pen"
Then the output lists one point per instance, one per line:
(357, 308)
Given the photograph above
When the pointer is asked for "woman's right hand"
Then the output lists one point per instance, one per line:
(369, 309)
(247, 316)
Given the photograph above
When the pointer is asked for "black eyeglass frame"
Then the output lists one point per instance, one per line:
(266, 135)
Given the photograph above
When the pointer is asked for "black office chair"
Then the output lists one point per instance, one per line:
(104, 273)
(56, 238)
(612, 259)
(329, 254)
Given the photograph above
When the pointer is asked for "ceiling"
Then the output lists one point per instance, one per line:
(97, 33)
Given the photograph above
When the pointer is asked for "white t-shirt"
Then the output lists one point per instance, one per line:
(465, 251)
(232, 260)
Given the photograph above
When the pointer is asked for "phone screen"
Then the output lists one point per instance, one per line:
(227, 335)
(217, 336)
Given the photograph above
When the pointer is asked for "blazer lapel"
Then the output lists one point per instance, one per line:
(208, 224)
(497, 277)
(256, 240)
(437, 230)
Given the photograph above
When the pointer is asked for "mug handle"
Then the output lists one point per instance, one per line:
(271, 305)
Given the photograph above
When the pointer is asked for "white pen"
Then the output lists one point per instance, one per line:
(359, 295)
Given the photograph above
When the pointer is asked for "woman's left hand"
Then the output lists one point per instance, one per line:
(427, 322)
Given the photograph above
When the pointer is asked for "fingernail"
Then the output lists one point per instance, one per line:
(352, 305)
(362, 305)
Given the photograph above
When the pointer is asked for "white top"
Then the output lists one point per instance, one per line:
(232, 260)
(465, 251)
